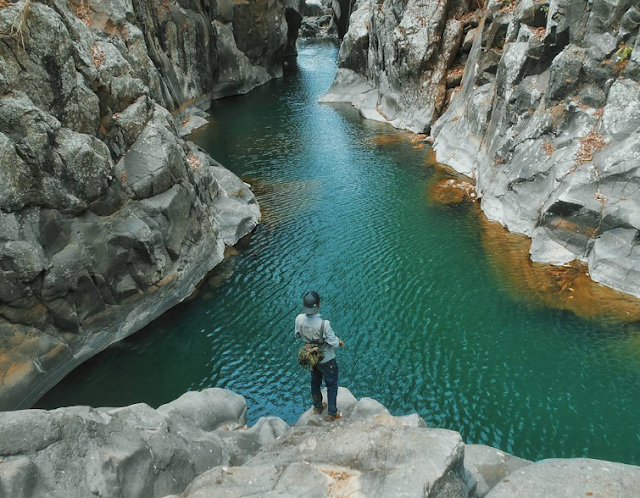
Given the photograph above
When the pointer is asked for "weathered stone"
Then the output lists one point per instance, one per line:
(557, 478)
(565, 70)
(198, 447)
(260, 30)
(175, 204)
(15, 179)
(237, 75)
(25, 259)
(592, 96)
(314, 8)
(469, 37)
(322, 27)
(485, 467)
(394, 50)
(413, 420)
(245, 442)
(208, 410)
(17, 477)
(551, 137)
(385, 460)
(367, 408)
(130, 452)
(615, 260)
(98, 191)
(622, 111)
(345, 401)
(85, 167)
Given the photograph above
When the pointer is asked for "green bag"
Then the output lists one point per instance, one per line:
(310, 355)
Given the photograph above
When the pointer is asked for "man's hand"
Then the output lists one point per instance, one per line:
(340, 343)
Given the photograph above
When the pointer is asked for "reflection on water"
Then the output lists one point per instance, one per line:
(442, 313)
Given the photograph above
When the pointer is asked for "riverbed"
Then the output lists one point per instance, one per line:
(430, 322)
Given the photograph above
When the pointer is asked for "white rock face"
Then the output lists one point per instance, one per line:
(394, 60)
(554, 151)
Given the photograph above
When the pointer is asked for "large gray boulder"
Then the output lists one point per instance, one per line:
(198, 446)
(107, 216)
(485, 467)
(359, 457)
(130, 452)
(558, 478)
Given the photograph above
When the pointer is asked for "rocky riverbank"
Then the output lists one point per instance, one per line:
(107, 216)
(319, 21)
(538, 101)
(200, 446)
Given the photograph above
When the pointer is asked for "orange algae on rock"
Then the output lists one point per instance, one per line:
(453, 191)
(560, 287)
(447, 186)
(390, 138)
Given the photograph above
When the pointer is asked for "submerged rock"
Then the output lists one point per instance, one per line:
(107, 217)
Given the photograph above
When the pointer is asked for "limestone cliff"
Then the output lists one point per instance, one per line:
(395, 59)
(542, 103)
(107, 217)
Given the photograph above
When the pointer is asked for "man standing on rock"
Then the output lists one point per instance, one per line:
(311, 328)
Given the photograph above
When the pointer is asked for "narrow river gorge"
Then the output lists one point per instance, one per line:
(432, 317)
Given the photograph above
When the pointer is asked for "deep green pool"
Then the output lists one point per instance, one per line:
(406, 283)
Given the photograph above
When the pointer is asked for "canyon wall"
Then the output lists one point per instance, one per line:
(107, 217)
(538, 101)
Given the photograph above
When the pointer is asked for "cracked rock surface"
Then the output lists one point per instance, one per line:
(130, 452)
(369, 454)
(107, 216)
(396, 57)
(551, 131)
(198, 446)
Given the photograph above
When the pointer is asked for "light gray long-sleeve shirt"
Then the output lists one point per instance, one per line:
(308, 328)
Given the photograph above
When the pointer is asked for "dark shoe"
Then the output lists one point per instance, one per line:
(318, 411)
(333, 418)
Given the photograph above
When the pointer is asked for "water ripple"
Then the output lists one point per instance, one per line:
(428, 326)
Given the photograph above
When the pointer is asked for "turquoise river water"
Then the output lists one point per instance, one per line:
(429, 324)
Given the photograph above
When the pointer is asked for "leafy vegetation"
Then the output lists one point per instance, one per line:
(624, 53)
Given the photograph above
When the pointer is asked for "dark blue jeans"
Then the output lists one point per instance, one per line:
(329, 371)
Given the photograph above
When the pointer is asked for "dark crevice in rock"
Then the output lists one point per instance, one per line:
(294, 21)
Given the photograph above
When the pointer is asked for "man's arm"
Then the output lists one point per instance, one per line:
(296, 332)
(329, 336)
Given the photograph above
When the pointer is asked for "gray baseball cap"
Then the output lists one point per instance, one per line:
(311, 303)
